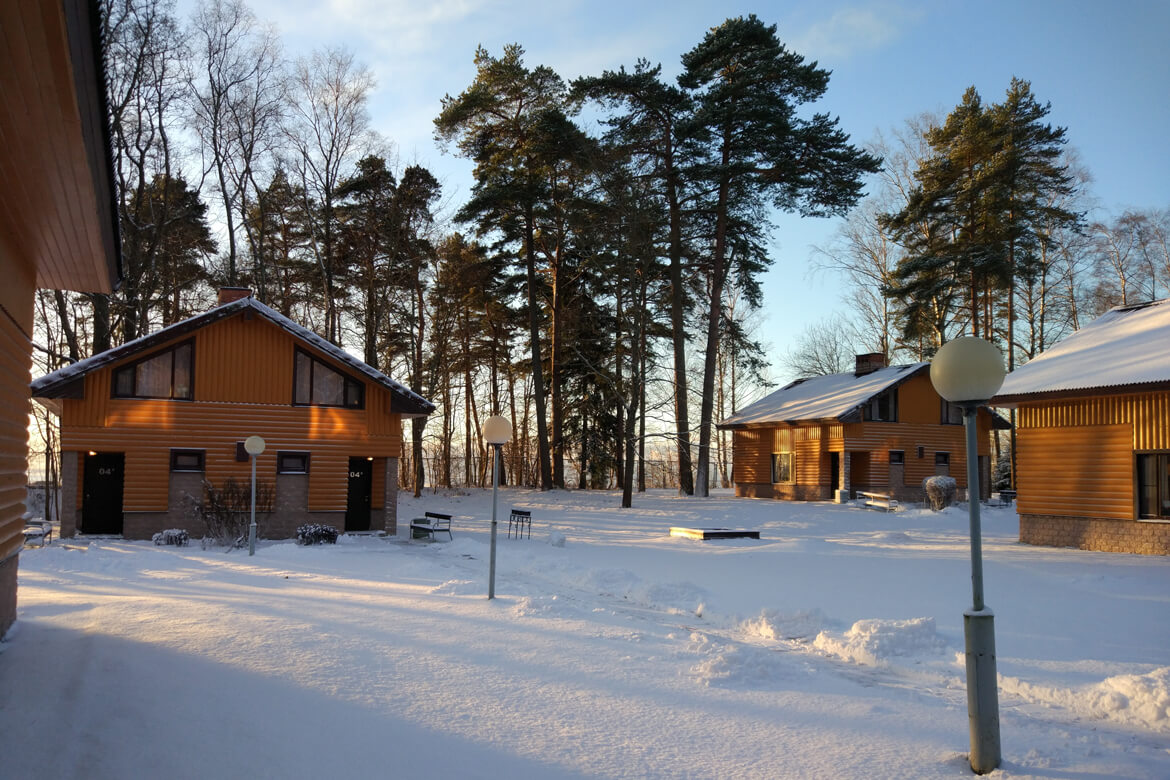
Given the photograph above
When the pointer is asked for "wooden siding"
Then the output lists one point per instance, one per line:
(751, 455)
(1084, 471)
(919, 414)
(1075, 457)
(235, 360)
(15, 362)
(1147, 413)
(880, 438)
(49, 208)
(918, 403)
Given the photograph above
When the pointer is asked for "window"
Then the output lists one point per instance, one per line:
(882, 408)
(782, 467)
(163, 375)
(316, 384)
(952, 414)
(292, 462)
(186, 460)
(897, 457)
(1153, 476)
(942, 458)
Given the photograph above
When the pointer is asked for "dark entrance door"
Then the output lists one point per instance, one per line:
(834, 474)
(101, 503)
(357, 506)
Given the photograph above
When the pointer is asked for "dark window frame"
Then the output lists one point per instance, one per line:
(201, 455)
(1155, 508)
(282, 468)
(133, 369)
(873, 410)
(777, 459)
(942, 458)
(948, 411)
(897, 457)
(349, 383)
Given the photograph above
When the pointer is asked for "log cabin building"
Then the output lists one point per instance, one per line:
(881, 429)
(1092, 457)
(144, 425)
(58, 205)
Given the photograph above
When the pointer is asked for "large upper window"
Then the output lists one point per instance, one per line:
(1154, 486)
(882, 408)
(952, 414)
(162, 375)
(782, 467)
(317, 384)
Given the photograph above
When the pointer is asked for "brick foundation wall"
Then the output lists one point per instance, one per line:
(8, 592)
(784, 492)
(1126, 536)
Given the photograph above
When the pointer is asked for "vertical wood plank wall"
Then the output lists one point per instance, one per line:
(1075, 457)
(243, 385)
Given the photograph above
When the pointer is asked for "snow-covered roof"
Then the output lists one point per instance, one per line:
(60, 383)
(830, 397)
(1125, 346)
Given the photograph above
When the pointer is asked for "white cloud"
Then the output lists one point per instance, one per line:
(852, 31)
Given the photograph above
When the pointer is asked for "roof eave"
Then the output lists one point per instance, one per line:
(1013, 400)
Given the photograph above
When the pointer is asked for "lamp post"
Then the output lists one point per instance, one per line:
(968, 371)
(496, 431)
(253, 445)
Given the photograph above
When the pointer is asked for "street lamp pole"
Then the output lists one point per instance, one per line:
(496, 431)
(968, 371)
(254, 446)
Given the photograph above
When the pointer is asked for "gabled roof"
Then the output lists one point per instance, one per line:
(832, 397)
(67, 382)
(1126, 349)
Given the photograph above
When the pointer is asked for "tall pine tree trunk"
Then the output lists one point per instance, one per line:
(686, 485)
(542, 448)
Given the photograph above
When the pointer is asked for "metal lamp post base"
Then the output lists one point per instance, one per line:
(982, 689)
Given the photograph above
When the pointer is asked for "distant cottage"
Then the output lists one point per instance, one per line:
(880, 428)
(149, 421)
(1093, 438)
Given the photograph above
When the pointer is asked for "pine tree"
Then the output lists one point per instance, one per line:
(651, 131)
(499, 122)
(757, 151)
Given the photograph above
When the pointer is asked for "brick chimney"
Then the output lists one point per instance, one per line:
(229, 294)
(868, 363)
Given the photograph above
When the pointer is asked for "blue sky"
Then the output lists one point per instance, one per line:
(1104, 66)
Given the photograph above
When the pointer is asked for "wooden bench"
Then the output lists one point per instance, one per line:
(430, 524)
(882, 501)
(520, 518)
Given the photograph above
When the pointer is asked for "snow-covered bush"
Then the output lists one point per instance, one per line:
(226, 511)
(316, 533)
(175, 537)
(940, 491)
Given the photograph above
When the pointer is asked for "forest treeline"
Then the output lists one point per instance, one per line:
(595, 288)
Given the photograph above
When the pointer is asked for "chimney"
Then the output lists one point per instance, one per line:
(867, 364)
(229, 294)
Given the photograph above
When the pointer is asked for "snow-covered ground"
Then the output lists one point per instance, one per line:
(831, 647)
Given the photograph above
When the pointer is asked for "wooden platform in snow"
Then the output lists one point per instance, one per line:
(713, 533)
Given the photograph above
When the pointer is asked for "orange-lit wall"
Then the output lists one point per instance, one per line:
(243, 386)
(919, 413)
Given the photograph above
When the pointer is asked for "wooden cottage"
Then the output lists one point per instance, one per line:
(144, 425)
(1093, 435)
(881, 429)
(57, 214)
